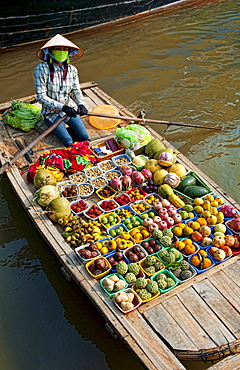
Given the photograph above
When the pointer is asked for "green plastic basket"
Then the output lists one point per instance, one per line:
(199, 182)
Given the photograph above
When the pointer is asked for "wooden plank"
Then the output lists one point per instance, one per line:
(230, 262)
(233, 271)
(214, 328)
(219, 305)
(177, 326)
(229, 363)
(228, 287)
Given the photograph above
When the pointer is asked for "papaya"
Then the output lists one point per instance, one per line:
(176, 201)
(165, 191)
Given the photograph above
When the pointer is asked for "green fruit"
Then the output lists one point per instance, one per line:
(104, 220)
(144, 215)
(113, 233)
(151, 214)
(111, 218)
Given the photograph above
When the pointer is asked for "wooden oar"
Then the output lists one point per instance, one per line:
(29, 146)
(147, 120)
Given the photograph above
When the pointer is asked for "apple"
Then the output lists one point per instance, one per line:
(147, 221)
(172, 211)
(177, 218)
(220, 227)
(164, 215)
(169, 221)
(165, 202)
(163, 225)
(157, 206)
(153, 227)
(156, 219)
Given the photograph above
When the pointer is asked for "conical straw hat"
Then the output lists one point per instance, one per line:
(59, 40)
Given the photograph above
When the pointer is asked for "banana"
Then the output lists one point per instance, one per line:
(68, 228)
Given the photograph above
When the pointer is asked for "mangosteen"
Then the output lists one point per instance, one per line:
(92, 247)
(94, 254)
(100, 263)
(156, 248)
(141, 255)
(152, 242)
(118, 255)
(96, 272)
(133, 257)
(92, 266)
(150, 250)
(136, 249)
(145, 244)
(111, 260)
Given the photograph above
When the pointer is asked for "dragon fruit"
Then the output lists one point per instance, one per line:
(126, 170)
(235, 224)
(147, 174)
(166, 158)
(126, 182)
(229, 211)
(138, 177)
(116, 183)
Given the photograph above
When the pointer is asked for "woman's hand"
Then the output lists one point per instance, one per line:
(82, 111)
(70, 112)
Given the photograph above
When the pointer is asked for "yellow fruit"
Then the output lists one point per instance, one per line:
(212, 220)
(209, 197)
(220, 201)
(104, 250)
(220, 217)
(206, 205)
(203, 253)
(213, 211)
(187, 231)
(98, 245)
(214, 203)
(198, 209)
(180, 245)
(178, 231)
(206, 214)
(195, 225)
(198, 201)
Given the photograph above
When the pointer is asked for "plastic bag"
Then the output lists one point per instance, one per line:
(133, 136)
(23, 116)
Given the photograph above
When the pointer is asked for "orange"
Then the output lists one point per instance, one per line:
(195, 260)
(180, 245)
(194, 225)
(190, 249)
(187, 241)
(202, 221)
(182, 225)
(206, 263)
(177, 231)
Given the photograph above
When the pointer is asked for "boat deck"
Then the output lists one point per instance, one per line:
(198, 319)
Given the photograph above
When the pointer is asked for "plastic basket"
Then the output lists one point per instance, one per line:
(126, 199)
(111, 294)
(120, 160)
(217, 262)
(107, 165)
(93, 172)
(143, 265)
(111, 174)
(74, 203)
(85, 260)
(146, 206)
(141, 192)
(90, 217)
(140, 228)
(153, 295)
(199, 271)
(115, 229)
(136, 302)
(123, 211)
(169, 274)
(63, 188)
(78, 177)
(130, 222)
(96, 151)
(103, 273)
(147, 241)
(85, 190)
(126, 251)
(100, 194)
(107, 215)
(194, 273)
(98, 182)
(103, 205)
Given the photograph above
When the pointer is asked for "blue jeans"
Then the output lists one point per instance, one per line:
(77, 130)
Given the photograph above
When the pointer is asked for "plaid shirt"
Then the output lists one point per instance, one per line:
(54, 95)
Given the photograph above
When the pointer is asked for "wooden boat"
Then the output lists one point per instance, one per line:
(21, 24)
(197, 320)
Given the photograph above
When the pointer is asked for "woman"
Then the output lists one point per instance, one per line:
(57, 83)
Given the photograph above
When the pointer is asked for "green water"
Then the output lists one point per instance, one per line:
(180, 66)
